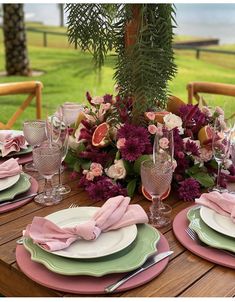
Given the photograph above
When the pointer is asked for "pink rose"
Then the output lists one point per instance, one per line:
(164, 143)
(121, 143)
(152, 129)
(150, 116)
(90, 176)
(96, 169)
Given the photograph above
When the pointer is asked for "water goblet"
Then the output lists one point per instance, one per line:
(70, 112)
(47, 160)
(220, 147)
(156, 178)
(61, 137)
(163, 150)
(35, 134)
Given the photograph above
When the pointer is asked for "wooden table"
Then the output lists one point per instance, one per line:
(185, 276)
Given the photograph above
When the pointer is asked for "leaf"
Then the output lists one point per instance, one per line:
(128, 166)
(77, 167)
(131, 187)
(195, 169)
(85, 164)
(137, 163)
(204, 179)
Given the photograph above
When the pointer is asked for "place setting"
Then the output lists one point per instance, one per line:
(14, 144)
(16, 187)
(91, 250)
(207, 229)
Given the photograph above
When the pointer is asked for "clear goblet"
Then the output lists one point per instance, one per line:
(47, 159)
(70, 112)
(35, 134)
(61, 137)
(220, 147)
(156, 178)
(163, 151)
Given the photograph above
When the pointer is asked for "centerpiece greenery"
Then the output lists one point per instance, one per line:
(141, 36)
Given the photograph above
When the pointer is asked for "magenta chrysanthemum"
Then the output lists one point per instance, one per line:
(189, 189)
(132, 149)
(103, 188)
(137, 141)
(192, 148)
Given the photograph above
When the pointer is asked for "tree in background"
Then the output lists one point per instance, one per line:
(61, 11)
(141, 35)
(16, 53)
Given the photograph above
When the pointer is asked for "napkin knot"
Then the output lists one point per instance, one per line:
(116, 213)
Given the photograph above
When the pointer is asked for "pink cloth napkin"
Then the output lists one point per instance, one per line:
(10, 168)
(222, 203)
(11, 143)
(116, 213)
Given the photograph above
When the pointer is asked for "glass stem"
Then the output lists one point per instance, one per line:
(218, 175)
(156, 204)
(48, 186)
(59, 174)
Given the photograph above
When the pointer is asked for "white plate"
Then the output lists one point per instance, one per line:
(106, 244)
(217, 222)
(7, 182)
(14, 132)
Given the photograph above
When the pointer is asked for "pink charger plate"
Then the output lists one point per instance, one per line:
(11, 206)
(86, 284)
(23, 159)
(214, 255)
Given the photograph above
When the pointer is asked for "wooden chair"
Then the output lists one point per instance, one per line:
(194, 88)
(32, 88)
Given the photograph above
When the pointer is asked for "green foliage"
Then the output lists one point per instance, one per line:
(143, 69)
(131, 187)
(201, 175)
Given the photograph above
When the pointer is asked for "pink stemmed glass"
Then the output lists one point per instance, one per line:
(47, 159)
(35, 134)
(156, 179)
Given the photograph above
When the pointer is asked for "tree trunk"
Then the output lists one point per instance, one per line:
(133, 26)
(61, 8)
(17, 62)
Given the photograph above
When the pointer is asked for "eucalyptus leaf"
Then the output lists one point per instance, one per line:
(204, 179)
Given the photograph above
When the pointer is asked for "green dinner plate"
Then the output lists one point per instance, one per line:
(22, 185)
(126, 260)
(21, 152)
(208, 235)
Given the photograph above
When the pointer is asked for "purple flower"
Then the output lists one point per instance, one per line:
(108, 98)
(192, 148)
(137, 141)
(103, 189)
(132, 149)
(189, 189)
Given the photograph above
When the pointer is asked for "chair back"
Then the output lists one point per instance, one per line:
(195, 88)
(33, 89)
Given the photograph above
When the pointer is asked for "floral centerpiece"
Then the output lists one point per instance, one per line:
(106, 148)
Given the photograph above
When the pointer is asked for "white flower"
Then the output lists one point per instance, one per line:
(227, 163)
(172, 121)
(72, 142)
(116, 171)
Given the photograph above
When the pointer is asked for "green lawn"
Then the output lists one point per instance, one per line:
(70, 73)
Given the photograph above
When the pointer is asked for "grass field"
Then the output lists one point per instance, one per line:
(68, 74)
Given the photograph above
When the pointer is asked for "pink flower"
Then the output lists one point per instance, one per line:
(206, 154)
(96, 169)
(90, 176)
(219, 110)
(150, 116)
(206, 111)
(152, 129)
(159, 130)
(121, 143)
(105, 106)
(164, 142)
(97, 100)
